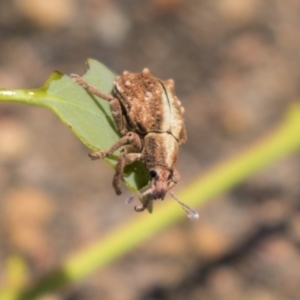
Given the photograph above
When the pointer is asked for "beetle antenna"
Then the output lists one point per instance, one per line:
(190, 212)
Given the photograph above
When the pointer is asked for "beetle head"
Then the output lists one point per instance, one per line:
(157, 187)
(160, 180)
(160, 184)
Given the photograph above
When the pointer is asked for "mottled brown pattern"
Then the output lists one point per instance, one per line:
(160, 149)
(140, 95)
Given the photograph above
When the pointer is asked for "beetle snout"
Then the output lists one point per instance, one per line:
(160, 181)
(160, 188)
(159, 194)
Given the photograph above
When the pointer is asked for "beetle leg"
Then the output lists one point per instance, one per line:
(114, 103)
(91, 89)
(143, 206)
(130, 138)
(124, 160)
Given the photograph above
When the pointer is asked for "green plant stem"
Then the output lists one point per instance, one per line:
(281, 142)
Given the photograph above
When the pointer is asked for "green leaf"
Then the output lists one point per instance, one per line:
(88, 116)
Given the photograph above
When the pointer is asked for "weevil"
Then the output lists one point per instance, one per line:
(149, 117)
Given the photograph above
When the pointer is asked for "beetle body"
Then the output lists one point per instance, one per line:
(149, 117)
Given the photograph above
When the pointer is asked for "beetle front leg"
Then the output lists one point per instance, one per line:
(130, 138)
(143, 206)
(124, 160)
(114, 103)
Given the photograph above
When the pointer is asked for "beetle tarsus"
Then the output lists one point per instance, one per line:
(140, 208)
(97, 155)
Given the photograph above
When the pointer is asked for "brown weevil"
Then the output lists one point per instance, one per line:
(149, 117)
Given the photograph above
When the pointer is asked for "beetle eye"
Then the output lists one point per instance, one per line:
(153, 173)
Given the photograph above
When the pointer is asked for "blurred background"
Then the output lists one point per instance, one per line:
(236, 68)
